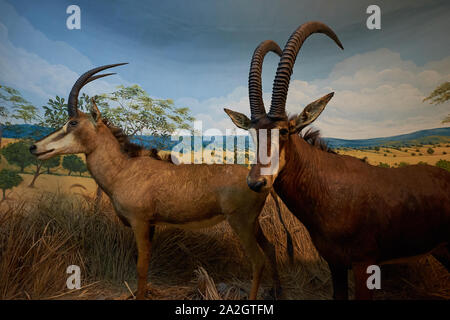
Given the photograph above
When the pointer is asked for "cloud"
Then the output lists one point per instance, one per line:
(40, 79)
(376, 94)
(210, 111)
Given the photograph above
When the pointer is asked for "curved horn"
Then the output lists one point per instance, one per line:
(287, 60)
(254, 78)
(72, 102)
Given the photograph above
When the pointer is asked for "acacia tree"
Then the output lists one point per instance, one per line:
(12, 100)
(133, 110)
(8, 180)
(81, 168)
(18, 154)
(55, 111)
(51, 163)
(73, 163)
(440, 95)
(37, 171)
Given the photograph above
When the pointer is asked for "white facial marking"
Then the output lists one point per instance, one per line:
(61, 142)
(67, 141)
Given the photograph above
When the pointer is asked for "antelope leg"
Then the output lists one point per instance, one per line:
(340, 282)
(141, 233)
(245, 230)
(269, 251)
(361, 290)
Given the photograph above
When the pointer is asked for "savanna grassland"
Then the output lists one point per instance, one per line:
(399, 156)
(56, 224)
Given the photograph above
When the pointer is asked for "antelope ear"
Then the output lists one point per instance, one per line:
(239, 119)
(310, 113)
(95, 112)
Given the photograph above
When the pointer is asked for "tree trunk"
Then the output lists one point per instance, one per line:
(36, 174)
(21, 169)
(4, 194)
(70, 171)
(48, 170)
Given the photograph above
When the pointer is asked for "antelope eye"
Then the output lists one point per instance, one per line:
(284, 132)
(73, 123)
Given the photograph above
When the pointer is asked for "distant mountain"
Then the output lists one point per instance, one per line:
(22, 131)
(437, 135)
(429, 136)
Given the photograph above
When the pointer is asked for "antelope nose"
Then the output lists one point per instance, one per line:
(33, 149)
(258, 184)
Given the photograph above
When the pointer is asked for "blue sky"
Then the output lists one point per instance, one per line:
(198, 53)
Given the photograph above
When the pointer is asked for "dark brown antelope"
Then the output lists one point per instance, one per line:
(146, 191)
(357, 214)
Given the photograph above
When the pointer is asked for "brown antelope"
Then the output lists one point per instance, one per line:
(357, 214)
(146, 191)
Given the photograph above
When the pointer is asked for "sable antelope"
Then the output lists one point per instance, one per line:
(146, 191)
(357, 214)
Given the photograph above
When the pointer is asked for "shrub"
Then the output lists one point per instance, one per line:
(8, 180)
(384, 165)
(430, 150)
(403, 164)
(444, 164)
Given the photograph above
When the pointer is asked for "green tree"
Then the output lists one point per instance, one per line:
(444, 164)
(81, 168)
(18, 154)
(132, 109)
(37, 171)
(51, 163)
(430, 151)
(12, 100)
(8, 180)
(73, 163)
(55, 112)
(440, 95)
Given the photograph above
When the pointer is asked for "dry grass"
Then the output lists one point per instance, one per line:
(39, 241)
(394, 156)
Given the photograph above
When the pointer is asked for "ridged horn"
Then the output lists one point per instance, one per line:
(254, 78)
(72, 102)
(287, 60)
